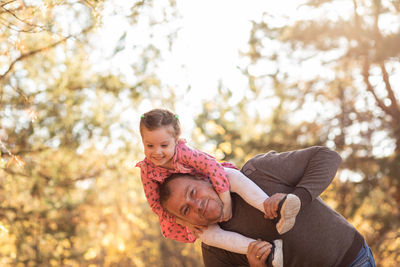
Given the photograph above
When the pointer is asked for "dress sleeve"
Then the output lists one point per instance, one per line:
(170, 229)
(152, 193)
(205, 165)
(175, 231)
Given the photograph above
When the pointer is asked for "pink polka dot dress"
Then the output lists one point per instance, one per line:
(185, 160)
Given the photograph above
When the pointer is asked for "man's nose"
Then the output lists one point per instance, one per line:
(196, 204)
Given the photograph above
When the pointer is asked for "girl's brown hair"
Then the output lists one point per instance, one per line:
(157, 118)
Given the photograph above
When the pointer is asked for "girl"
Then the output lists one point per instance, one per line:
(167, 154)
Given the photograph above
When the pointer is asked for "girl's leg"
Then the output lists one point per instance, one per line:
(252, 194)
(217, 237)
(234, 242)
(246, 189)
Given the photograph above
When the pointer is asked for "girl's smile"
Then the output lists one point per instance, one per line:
(159, 146)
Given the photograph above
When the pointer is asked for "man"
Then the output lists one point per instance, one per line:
(320, 236)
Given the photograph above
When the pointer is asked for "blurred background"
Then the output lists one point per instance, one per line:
(245, 77)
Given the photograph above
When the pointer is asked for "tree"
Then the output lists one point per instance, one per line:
(69, 194)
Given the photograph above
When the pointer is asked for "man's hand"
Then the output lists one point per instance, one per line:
(257, 253)
(271, 205)
(195, 229)
(227, 209)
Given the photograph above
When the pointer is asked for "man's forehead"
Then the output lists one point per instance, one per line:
(187, 179)
(179, 185)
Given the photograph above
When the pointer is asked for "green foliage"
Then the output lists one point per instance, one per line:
(69, 193)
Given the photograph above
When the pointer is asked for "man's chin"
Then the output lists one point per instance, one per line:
(214, 215)
(213, 220)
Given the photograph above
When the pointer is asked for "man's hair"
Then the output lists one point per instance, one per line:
(165, 189)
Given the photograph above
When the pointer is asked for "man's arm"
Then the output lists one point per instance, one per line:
(309, 171)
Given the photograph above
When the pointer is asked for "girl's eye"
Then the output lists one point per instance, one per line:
(149, 146)
(164, 146)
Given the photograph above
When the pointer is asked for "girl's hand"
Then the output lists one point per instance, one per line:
(271, 205)
(227, 209)
(195, 229)
(257, 253)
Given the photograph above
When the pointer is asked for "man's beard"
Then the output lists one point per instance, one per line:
(214, 211)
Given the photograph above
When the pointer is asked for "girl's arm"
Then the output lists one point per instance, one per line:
(195, 229)
(151, 192)
(204, 164)
(246, 188)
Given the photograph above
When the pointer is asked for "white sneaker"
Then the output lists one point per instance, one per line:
(277, 260)
(288, 209)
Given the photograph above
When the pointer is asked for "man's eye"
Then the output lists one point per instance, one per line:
(186, 211)
(192, 192)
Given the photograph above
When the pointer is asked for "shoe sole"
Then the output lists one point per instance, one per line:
(289, 211)
(278, 254)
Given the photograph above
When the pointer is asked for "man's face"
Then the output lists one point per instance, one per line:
(194, 201)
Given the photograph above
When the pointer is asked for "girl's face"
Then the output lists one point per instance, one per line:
(159, 145)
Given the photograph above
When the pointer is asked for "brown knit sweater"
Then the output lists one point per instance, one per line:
(320, 237)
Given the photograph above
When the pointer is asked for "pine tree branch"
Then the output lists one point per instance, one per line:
(34, 151)
(33, 52)
(6, 3)
(33, 26)
(389, 89)
(13, 173)
(370, 88)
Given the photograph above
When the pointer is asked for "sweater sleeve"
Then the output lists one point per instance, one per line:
(310, 171)
(205, 165)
